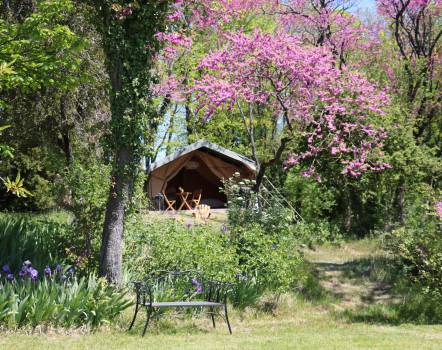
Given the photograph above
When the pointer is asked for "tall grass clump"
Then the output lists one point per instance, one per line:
(27, 237)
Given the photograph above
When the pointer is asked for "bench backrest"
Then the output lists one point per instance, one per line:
(181, 286)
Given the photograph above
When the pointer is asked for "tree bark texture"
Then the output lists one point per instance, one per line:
(111, 256)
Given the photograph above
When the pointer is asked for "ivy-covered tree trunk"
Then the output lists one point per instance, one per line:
(128, 30)
(111, 255)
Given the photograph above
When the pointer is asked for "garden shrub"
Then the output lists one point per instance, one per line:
(318, 232)
(418, 249)
(54, 298)
(168, 245)
(88, 186)
(314, 200)
(271, 259)
(256, 261)
(274, 215)
(265, 208)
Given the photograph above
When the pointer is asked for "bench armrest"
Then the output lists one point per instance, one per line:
(143, 292)
(218, 291)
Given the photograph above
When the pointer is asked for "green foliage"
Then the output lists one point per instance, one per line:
(271, 259)
(16, 186)
(314, 200)
(418, 248)
(168, 245)
(87, 301)
(37, 239)
(39, 51)
(317, 232)
(5, 150)
(87, 185)
(254, 260)
(265, 208)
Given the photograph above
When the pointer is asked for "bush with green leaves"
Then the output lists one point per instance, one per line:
(275, 215)
(318, 232)
(88, 185)
(247, 255)
(168, 245)
(418, 249)
(273, 260)
(266, 207)
(57, 299)
(314, 200)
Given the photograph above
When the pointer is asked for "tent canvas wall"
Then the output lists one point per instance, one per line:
(201, 165)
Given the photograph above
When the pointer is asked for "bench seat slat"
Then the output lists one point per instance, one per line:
(165, 304)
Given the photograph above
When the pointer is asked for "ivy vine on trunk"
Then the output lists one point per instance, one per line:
(128, 32)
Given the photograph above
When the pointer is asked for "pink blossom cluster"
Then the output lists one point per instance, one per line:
(171, 88)
(438, 208)
(314, 18)
(212, 13)
(331, 108)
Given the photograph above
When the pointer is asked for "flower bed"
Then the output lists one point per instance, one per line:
(56, 297)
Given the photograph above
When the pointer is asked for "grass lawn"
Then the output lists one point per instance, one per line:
(350, 275)
(299, 327)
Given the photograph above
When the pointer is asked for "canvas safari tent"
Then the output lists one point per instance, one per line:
(199, 166)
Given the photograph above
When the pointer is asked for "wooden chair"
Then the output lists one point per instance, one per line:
(201, 212)
(170, 203)
(196, 198)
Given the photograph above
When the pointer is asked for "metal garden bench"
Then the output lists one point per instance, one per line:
(181, 290)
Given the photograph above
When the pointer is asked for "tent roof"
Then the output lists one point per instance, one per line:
(208, 147)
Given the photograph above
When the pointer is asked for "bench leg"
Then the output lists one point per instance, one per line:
(149, 312)
(227, 318)
(135, 316)
(213, 317)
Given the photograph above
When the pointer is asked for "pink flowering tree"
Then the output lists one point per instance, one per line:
(195, 29)
(416, 26)
(326, 23)
(328, 108)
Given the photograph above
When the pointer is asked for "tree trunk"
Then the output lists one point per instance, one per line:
(400, 202)
(65, 139)
(111, 254)
(265, 165)
(189, 120)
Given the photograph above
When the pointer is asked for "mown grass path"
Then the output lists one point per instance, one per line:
(356, 274)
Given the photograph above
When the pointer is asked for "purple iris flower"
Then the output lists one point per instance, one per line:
(58, 268)
(22, 273)
(33, 273)
(47, 271)
(198, 285)
(71, 271)
(27, 264)
(6, 269)
(63, 278)
(10, 277)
